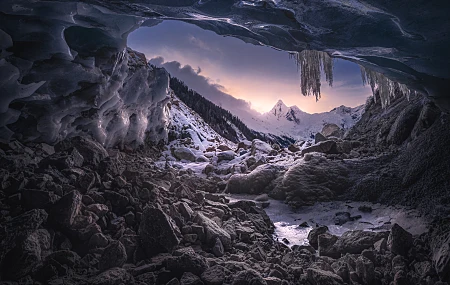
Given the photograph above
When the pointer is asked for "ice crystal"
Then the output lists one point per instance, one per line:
(386, 88)
(310, 64)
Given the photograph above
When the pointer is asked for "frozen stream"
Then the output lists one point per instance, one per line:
(381, 218)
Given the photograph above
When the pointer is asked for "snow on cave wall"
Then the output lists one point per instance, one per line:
(65, 69)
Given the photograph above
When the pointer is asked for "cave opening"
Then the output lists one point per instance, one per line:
(113, 170)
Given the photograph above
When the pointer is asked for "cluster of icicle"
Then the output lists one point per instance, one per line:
(310, 64)
(386, 88)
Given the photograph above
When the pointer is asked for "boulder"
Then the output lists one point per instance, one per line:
(201, 158)
(319, 138)
(253, 183)
(332, 130)
(187, 262)
(209, 168)
(156, 232)
(114, 255)
(64, 211)
(441, 256)
(244, 145)
(213, 231)
(328, 146)
(223, 147)
(313, 235)
(399, 240)
(226, 155)
(320, 277)
(307, 182)
(365, 270)
(184, 153)
(218, 249)
(293, 148)
(189, 278)
(260, 147)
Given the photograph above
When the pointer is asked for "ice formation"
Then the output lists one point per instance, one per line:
(310, 64)
(385, 87)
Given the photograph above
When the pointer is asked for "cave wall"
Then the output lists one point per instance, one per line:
(66, 71)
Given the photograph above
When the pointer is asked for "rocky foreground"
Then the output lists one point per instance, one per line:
(76, 213)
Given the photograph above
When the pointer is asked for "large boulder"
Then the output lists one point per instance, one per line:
(260, 147)
(156, 232)
(317, 179)
(319, 138)
(399, 240)
(63, 212)
(332, 130)
(184, 153)
(313, 235)
(213, 231)
(226, 155)
(253, 183)
(353, 242)
(114, 255)
(328, 146)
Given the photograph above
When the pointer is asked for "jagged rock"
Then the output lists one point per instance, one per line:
(441, 257)
(184, 153)
(260, 147)
(365, 270)
(246, 277)
(321, 277)
(399, 240)
(113, 276)
(326, 242)
(92, 151)
(99, 209)
(327, 146)
(118, 201)
(63, 212)
(215, 275)
(190, 279)
(319, 138)
(98, 240)
(404, 124)
(226, 155)
(209, 169)
(313, 235)
(114, 255)
(62, 160)
(218, 249)
(293, 148)
(213, 231)
(342, 218)
(202, 158)
(244, 145)
(156, 232)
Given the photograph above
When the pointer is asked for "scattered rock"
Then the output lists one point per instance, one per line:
(114, 255)
(313, 235)
(399, 240)
(226, 155)
(246, 277)
(321, 277)
(184, 153)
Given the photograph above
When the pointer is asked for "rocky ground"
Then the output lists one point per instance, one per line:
(76, 213)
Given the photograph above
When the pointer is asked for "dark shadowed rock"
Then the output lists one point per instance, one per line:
(328, 146)
(114, 255)
(319, 138)
(156, 232)
(64, 211)
(113, 276)
(321, 277)
(293, 148)
(215, 275)
(187, 262)
(332, 130)
(313, 235)
(189, 278)
(399, 240)
(441, 256)
(365, 270)
(37, 199)
(218, 249)
(213, 231)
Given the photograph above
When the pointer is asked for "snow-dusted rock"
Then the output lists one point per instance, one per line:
(254, 182)
(334, 130)
(260, 147)
(226, 155)
(324, 147)
(184, 153)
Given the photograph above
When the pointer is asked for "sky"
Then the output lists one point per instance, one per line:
(257, 76)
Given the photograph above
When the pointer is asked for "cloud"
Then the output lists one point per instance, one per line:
(205, 86)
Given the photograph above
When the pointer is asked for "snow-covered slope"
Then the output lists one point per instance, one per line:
(293, 122)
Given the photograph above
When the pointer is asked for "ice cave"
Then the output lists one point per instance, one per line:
(114, 171)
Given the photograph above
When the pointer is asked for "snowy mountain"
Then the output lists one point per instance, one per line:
(292, 122)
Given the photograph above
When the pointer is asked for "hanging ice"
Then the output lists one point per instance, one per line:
(310, 64)
(386, 88)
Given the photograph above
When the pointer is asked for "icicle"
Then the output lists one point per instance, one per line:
(385, 87)
(310, 63)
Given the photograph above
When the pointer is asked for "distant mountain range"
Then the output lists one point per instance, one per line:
(292, 122)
